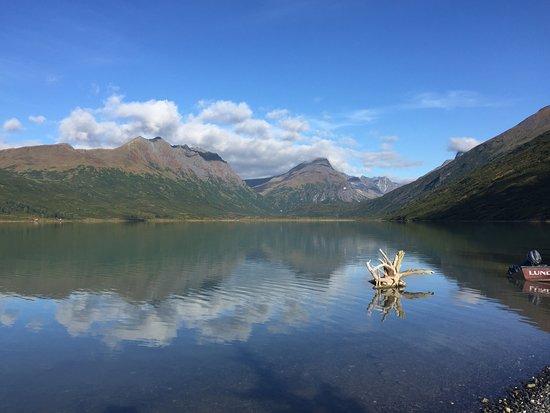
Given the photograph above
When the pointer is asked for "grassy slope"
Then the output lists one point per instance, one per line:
(515, 186)
(86, 192)
(300, 201)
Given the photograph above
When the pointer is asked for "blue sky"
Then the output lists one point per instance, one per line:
(380, 88)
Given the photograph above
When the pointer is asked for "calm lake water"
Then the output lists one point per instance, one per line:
(263, 317)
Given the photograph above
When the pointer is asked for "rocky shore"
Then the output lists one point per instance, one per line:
(532, 396)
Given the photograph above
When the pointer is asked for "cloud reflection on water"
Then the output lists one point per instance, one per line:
(227, 313)
(7, 316)
(147, 283)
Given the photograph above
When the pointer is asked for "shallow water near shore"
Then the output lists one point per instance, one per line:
(273, 316)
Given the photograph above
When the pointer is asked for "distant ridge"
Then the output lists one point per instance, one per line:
(504, 178)
(143, 177)
(315, 187)
(139, 155)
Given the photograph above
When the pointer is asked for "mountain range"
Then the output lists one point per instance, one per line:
(144, 178)
(150, 178)
(316, 185)
(504, 178)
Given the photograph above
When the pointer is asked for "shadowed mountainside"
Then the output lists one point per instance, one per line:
(504, 178)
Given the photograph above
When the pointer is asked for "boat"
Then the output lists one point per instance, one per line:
(537, 273)
(532, 269)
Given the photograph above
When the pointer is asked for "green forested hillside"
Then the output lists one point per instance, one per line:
(87, 192)
(514, 186)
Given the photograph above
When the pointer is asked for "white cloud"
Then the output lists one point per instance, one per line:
(225, 111)
(82, 129)
(296, 124)
(462, 144)
(448, 100)
(277, 114)
(386, 156)
(388, 142)
(152, 116)
(338, 121)
(348, 141)
(38, 119)
(119, 121)
(13, 125)
(293, 127)
(253, 127)
(254, 147)
(362, 116)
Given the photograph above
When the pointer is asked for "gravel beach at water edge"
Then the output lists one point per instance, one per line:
(532, 396)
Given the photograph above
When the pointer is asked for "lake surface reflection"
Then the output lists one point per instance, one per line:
(263, 317)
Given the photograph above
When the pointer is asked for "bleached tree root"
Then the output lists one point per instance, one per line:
(388, 273)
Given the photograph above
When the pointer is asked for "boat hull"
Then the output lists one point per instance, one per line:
(540, 273)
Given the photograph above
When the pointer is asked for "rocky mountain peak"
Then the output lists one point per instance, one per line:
(321, 161)
(308, 166)
(316, 182)
(156, 139)
(141, 141)
(156, 144)
(139, 156)
(135, 140)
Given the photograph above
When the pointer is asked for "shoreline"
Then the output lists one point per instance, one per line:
(170, 220)
(530, 396)
(27, 220)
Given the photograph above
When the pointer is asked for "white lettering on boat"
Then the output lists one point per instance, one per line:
(539, 272)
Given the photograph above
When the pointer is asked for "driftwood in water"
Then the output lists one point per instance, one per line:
(388, 273)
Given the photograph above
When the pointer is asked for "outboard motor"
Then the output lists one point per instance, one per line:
(534, 258)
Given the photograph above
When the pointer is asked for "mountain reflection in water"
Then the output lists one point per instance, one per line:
(217, 279)
(284, 303)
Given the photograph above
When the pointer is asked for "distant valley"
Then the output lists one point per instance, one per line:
(315, 186)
